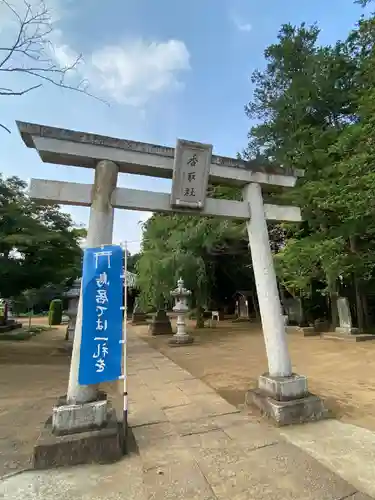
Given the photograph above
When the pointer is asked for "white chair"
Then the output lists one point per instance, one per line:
(214, 318)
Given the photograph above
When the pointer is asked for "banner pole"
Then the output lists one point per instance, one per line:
(125, 387)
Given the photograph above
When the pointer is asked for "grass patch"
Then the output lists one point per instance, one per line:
(39, 328)
(24, 333)
(27, 315)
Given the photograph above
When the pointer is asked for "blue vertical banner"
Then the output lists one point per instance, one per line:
(102, 300)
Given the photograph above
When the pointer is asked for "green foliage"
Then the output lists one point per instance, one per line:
(36, 301)
(303, 261)
(177, 246)
(315, 106)
(363, 3)
(55, 312)
(38, 243)
(132, 262)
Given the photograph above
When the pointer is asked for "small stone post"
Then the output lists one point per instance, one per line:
(181, 294)
(3, 313)
(345, 317)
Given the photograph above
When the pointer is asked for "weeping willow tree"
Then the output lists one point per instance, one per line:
(177, 246)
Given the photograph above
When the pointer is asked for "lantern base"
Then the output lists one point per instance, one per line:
(179, 340)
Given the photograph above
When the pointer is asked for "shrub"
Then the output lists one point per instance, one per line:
(55, 312)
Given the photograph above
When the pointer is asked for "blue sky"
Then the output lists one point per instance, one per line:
(168, 68)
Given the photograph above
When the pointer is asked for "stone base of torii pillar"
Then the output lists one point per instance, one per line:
(286, 400)
(79, 434)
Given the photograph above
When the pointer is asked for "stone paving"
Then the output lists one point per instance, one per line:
(191, 444)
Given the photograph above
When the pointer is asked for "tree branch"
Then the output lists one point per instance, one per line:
(39, 18)
(21, 92)
(4, 127)
(31, 53)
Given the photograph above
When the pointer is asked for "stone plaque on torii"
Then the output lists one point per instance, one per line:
(281, 394)
(190, 174)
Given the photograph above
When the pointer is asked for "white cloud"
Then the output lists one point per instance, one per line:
(132, 72)
(241, 24)
(61, 52)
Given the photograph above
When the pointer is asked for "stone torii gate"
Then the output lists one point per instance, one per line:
(281, 393)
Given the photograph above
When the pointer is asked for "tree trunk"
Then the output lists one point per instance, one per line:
(333, 296)
(367, 316)
(256, 307)
(30, 316)
(357, 289)
(358, 302)
(200, 319)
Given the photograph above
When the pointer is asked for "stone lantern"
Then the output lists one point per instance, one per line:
(73, 297)
(181, 307)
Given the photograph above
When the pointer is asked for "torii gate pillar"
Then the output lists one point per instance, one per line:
(99, 232)
(279, 364)
(281, 394)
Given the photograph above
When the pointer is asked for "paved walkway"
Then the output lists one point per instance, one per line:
(345, 449)
(192, 445)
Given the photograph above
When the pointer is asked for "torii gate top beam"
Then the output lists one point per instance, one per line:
(81, 149)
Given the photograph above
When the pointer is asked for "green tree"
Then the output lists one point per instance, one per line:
(354, 166)
(299, 110)
(38, 243)
(308, 105)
